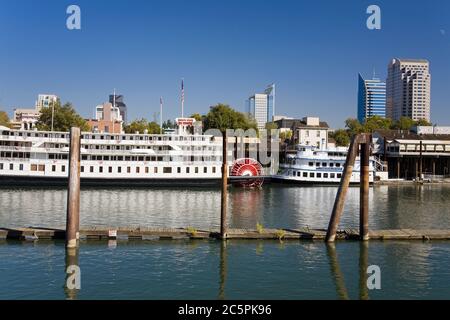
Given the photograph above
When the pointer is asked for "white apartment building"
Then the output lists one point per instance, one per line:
(26, 119)
(309, 131)
(45, 100)
(408, 89)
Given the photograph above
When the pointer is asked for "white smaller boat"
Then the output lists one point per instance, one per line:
(310, 165)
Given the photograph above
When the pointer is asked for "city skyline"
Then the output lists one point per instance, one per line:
(158, 47)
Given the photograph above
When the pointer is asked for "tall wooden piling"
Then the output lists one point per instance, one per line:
(364, 191)
(223, 211)
(73, 194)
(343, 188)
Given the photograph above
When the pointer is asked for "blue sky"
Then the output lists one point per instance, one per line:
(225, 51)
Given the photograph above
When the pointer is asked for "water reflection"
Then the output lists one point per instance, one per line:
(222, 270)
(363, 265)
(274, 206)
(72, 273)
(336, 272)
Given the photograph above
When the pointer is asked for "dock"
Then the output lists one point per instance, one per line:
(159, 234)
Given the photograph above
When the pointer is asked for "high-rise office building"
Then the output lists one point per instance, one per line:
(371, 98)
(261, 106)
(258, 109)
(408, 88)
(120, 104)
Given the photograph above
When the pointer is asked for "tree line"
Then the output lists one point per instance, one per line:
(353, 126)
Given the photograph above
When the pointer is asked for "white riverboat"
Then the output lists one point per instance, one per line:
(310, 165)
(41, 158)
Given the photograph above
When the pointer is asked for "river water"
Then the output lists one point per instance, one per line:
(239, 270)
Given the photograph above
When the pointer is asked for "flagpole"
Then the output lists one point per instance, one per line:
(114, 109)
(182, 98)
(160, 114)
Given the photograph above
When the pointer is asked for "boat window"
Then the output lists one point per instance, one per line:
(317, 164)
(325, 175)
(311, 164)
(119, 169)
(319, 175)
(214, 169)
(167, 169)
(331, 165)
(338, 165)
(100, 169)
(21, 167)
(82, 168)
(91, 169)
(187, 169)
(196, 169)
(332, 175)
(63, 168)
(324, 164)
(34, 167)
(110, 169)
(53, 168)
(205, 170)
(298, 173)
(339, 175)
(311, 174)
(156, 170)
(305, 174)
(41, 167)
(128, 169)
(1, 166)
(138, 169)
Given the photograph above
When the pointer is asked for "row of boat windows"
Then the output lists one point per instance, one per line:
(316, 175)
(101, 169)
(107, 137)
(63, 156)
(132, 147)
(324, 164)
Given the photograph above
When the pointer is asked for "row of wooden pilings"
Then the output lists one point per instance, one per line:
(360, 144)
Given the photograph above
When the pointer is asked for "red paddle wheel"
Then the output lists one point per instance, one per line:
(247, 168)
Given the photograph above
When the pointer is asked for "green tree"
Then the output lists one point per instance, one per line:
(286, 135)
(169, 124)
(353, 126)
(377, 122)
(341, 137)
(271, 126)
(223, 117)
(140, 125)
(4, 119)
(64, 117)
(154, 128)
(404, 123)
(197, 117)
(423, 122)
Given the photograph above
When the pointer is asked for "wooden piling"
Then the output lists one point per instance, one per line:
(223, 211)
(73, 194)
(364, 192)
(343, 188)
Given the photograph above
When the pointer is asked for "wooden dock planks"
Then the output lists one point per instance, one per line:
(152, 234)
